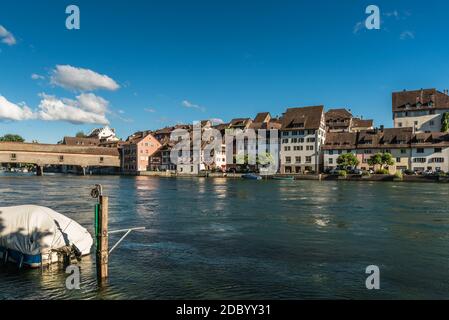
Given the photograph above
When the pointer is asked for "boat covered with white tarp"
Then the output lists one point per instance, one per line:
(33, 236)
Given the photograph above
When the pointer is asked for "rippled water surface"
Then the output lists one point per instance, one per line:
(233, 239)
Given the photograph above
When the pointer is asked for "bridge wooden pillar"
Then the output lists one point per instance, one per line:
(39, 170)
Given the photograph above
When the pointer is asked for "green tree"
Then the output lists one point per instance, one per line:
(12, 138)
(80, 134)
(381, 159)
(387, 159)
(445, 122)
(347, 160)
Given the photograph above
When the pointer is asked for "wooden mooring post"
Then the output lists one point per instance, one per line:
(102, 239)
(101, 233)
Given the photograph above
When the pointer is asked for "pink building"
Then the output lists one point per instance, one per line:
(137, 150)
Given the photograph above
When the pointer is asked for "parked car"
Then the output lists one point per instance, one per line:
(335, 171)
(357, 172)
(428, 172)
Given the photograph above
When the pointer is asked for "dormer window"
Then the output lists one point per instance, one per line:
(430, 103)
(418, 105)
(407, 106)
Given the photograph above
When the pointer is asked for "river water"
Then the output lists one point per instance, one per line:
(236, 239)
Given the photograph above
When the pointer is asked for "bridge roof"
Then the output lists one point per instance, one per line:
(57, 148)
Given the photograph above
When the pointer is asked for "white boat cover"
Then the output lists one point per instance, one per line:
(35, 230)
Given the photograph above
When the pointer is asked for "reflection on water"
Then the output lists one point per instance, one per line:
(219, 238)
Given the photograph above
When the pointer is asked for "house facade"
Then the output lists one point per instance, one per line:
(420, 109)
(410, 151)
(103, 134)
(137, 150)
(303, 132)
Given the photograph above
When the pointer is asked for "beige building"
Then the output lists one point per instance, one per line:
(410, 151)
(303, 132)
(420, 109)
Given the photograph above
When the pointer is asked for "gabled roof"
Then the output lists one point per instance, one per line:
(340, 114)
(341, 140)
(361, 123)
(419, 99)
(262, 117)
(240, 122)
(302, 118)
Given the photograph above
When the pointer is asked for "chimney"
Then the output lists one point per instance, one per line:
(382, 128)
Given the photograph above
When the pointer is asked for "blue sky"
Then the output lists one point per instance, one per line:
(163, 62)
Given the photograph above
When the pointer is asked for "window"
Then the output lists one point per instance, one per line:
(294, 133)
(101, 159)
(431, 122)
(284, 140)
(61, 158)
(298, 148)
(309, 148)
(13, 156)
(288, 159)
(310, 139)
(403, 151)
(368, 151)
(294, 140)
(419, 160)
(331, 152)
(331, 161)
(308, 159)
(398, 159)
(437, 150)
(400, 124)
(437, 160)
(287, 148)
(298, 159)
(420, 150)
(285, 133)
(191, 168)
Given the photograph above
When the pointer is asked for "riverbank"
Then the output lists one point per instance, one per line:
(316, 177)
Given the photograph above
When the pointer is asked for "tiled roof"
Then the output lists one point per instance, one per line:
(360, 123)
(302, 118)
(338, 114)
(261, 116)
(390, 138)
(341, 140)
(75, 141)
(419, 99)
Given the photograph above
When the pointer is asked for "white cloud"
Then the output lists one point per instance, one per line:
(7, 37)
(88, 108)
(405, 35)
(92, 103)
(151, 110)
(36, 76)
(74, 78)
(15, 112)
(190, 105)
